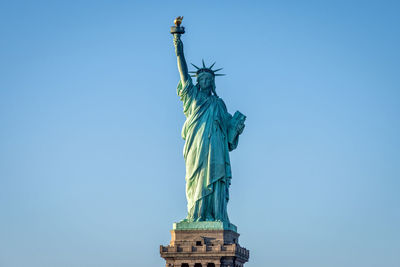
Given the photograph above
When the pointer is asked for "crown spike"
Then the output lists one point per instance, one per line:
(205, 69)
(195, 66)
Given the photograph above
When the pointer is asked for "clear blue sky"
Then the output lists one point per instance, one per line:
(91, 166)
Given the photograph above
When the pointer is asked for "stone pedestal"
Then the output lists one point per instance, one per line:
(196, 245)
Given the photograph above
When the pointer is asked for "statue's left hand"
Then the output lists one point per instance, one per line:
(240, 127)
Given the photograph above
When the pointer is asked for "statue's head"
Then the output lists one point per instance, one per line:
(206, 78)
(206, 82)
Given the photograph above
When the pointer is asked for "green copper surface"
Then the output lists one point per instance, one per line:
(210, 132)
(204, 226)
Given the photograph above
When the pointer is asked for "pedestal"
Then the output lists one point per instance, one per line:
(204, 244)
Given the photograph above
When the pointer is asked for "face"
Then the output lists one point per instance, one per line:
(205, 81)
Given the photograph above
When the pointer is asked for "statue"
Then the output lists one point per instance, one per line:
(210, 132)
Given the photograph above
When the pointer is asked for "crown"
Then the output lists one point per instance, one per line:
(205, 69)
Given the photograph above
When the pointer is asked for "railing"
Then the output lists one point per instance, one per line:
(235, 248)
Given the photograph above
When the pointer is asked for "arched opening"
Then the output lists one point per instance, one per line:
(197, 265)
(185, 265)
(211, 265)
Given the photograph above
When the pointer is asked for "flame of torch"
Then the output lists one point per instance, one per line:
(178, 21)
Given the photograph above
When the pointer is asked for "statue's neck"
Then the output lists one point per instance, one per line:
(205, 92)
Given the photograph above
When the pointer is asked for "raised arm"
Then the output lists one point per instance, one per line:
(182, 66)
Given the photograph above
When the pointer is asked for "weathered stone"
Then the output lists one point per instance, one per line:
(206, 247)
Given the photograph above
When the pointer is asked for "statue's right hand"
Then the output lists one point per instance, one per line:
(178, 46)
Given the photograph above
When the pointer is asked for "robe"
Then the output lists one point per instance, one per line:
(206, 154)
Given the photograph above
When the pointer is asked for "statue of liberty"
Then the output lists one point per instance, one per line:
(210, 132)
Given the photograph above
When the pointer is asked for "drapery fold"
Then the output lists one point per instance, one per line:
(206, 154)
